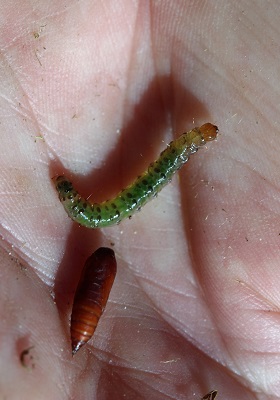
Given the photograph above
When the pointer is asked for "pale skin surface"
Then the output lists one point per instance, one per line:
(93, 89)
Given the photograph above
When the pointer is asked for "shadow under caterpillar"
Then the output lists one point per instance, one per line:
(145, 187)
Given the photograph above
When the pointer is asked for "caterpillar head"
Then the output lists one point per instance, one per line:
(209, 131)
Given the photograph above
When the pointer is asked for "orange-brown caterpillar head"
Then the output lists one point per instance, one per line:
(209, 131)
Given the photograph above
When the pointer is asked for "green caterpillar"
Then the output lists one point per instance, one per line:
(146, 186)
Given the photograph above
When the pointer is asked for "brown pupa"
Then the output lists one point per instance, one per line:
(91, 295)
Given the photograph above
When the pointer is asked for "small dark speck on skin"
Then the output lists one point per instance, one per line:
(23, 355)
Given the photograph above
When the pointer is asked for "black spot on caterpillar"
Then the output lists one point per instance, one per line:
(145, 187)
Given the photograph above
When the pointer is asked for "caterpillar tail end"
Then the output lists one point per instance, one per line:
(209, 131)
(63, 186)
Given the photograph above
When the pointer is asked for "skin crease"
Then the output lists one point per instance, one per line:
(194, 306)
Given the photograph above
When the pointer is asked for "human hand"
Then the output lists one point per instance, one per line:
(93, 90)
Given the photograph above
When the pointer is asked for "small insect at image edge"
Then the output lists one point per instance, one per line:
(210, 396)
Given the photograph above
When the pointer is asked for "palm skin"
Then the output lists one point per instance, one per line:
(93, 89)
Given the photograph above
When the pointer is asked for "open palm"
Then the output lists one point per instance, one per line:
(96, 90)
